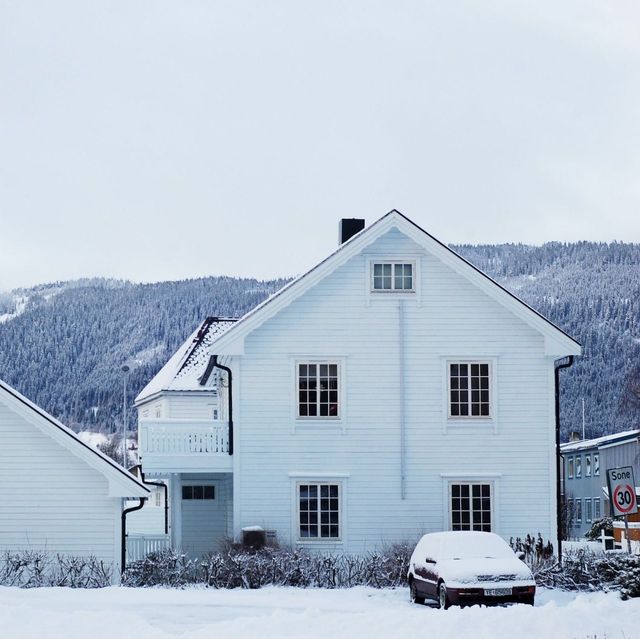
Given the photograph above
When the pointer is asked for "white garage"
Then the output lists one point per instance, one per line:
(57, 493)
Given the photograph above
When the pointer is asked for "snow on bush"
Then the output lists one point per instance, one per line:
(584, 570)
(34, 568)
(237, 567)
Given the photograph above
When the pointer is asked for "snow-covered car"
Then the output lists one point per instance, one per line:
(468, 567)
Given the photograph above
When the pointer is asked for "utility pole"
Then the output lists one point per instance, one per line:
(125, 370)
(583, 437)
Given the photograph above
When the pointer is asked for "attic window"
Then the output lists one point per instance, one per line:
(392, 277)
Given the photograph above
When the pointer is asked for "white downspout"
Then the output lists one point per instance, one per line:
(401, 398)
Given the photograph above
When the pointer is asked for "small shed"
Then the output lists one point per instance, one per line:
(57, 493)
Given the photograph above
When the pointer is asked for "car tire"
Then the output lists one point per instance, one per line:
(414, 597)
(443, 597)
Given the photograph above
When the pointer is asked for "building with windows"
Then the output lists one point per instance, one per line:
(392, 390)
(585, 464)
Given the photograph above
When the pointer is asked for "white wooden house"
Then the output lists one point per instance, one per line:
(58, 494)
(392, 390)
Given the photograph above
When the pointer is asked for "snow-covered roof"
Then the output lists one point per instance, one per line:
(599, 442)
(557, 342)
(184, 369)
(121, 482)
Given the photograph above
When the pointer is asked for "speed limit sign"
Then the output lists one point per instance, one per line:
(622, 489)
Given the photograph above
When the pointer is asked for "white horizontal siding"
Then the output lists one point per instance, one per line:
(336, 318)
(49, 499)
(193, 406)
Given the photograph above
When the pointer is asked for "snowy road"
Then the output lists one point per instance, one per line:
(57, 613)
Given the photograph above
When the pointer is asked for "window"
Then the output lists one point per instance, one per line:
(469, 389)
(318, 511)
(588, 514)
(578, 467)
(318, 384)
(471, 507)
(578, 511)
(392, 276)
(587, 465)
(198, 492)
(570, 510)
(596, 464)
(570, 468)
(596, 508)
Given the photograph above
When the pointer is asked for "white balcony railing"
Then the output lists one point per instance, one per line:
(139, 546)
(183, 444)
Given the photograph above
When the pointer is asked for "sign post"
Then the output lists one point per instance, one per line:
(622, 496)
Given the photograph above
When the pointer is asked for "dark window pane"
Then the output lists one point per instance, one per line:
(198, 492)
(209, 492)
(187, 492)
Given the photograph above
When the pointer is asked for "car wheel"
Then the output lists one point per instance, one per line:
(443, 598)
(414, 597)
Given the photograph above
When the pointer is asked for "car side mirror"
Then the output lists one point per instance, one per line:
(520, 555)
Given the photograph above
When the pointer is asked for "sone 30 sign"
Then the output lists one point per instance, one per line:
(622, 489)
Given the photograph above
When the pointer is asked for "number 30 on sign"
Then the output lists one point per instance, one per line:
(622, 489)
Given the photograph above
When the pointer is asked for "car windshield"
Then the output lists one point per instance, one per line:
(472, 546)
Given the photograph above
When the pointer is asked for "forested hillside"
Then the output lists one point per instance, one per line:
(63, 345)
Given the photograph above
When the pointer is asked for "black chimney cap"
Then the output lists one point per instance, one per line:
(348, 228)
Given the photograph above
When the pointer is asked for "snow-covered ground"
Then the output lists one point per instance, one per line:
(270, 613)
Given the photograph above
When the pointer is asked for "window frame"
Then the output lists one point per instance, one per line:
(588, 510)
(587, 465)
(474, 421)
(318, 484)
(578, 510)
(570, 467)
(394, 262)
(596, 464)
(339, 362)
(597, 511)
(331, 477)
(195, 485)
(471, 484)
(578, 467)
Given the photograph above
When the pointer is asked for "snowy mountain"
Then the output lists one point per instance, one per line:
(63, 344)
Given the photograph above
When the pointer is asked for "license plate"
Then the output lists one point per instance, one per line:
(497, 592)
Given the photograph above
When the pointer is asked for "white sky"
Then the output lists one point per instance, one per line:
(161, 140)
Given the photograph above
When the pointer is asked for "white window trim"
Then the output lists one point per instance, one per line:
(471, 478)
(570, 467)
(576, 475)
(588, 469)
(596, 456)
(414, 294)
(320, 424)
(588, 510)
(301, 477)
(457, 423)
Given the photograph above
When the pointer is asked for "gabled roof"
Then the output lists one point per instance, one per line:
(185, 367)
(557, 342)
(121, 482)
(601, 442)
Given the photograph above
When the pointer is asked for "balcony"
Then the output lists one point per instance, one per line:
(184, 445)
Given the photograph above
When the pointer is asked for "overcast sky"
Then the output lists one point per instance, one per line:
(163, 140)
